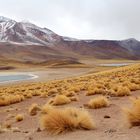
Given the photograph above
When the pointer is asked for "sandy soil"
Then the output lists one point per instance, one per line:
(48, 74)
(113, 128)
(51, 74)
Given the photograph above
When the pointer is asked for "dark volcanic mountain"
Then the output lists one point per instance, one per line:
(26, 42)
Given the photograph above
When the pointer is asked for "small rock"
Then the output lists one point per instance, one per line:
(7, 125)
(30, 138)
(25, 131)
(85, 105)
(38, 130)
(108, 97)
(110, 131)
(107, 117)
(16, 129)
(16, 109)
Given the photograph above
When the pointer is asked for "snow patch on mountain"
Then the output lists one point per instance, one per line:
(4, 19)
(129, 44)
(69, 39)
(25, 32)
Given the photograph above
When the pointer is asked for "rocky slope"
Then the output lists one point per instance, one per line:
(26, 42)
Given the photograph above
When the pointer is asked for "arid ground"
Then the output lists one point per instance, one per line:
(111, 122)
(113, 128)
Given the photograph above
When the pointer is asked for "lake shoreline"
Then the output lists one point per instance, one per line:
(49, 74)
(29, 76)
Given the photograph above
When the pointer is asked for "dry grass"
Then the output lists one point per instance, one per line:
(75, 98)
(10, 99)
(118, 82)
(52, 91)
(133, 114)
(44, 95)
(33, 109)
(98, 102)
(61, 100)
(59, 121)
(19, 117)
(69, 93)
(134, 87)
(95, 91)
(46, 109)
(122, 91)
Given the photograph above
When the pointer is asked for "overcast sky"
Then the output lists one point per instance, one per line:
(83, 19)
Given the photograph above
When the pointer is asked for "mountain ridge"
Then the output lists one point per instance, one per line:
(27, 42)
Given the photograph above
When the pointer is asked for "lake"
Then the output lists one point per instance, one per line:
(16, 77)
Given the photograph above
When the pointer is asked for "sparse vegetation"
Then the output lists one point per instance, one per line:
(116, 82)
(133, 114)
(123, 91)
(60, 100)
(95, 91)
(100, 89)
(19, 117)
(98, 102)
(58, 121)
(33, 109)
(74, 98)
(46, 109)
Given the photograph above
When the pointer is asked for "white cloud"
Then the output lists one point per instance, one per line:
(96, 19)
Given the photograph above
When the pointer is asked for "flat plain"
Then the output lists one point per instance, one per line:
(106, 94)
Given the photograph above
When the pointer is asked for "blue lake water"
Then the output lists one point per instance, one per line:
(18, 77)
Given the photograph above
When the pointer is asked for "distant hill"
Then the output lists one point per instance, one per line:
(28, 43)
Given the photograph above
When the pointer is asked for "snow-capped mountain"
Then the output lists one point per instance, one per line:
(131, 44)
(26, 42)
(25, 32)
(4, 19)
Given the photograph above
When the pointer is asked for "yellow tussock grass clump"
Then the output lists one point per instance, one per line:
(63, 120)
(52, 91)
(33, 109)
(95, 91)
(82, 117)
(133, 114)
(98, 102)
(50, 101)
(70, 93)
(134, 87)
(75, 98)
(19, 117)
(61, 100)
(11, 99)
(46, 109)
(29, 95)
(44, 95)
(131, 86)
(122, 91)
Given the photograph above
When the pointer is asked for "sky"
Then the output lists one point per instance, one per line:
(81, 19)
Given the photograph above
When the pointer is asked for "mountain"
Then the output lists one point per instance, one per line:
(132, 45)
(28, 43)
(25, 32)
(102, 49)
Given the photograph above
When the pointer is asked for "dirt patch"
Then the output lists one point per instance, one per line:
(6, 68)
